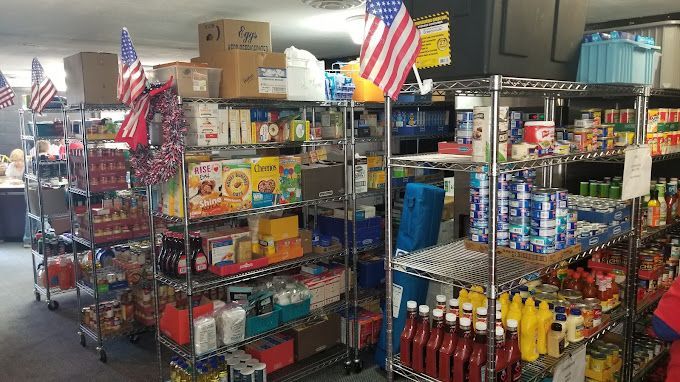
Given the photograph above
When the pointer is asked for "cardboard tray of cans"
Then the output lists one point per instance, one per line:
(538, 258)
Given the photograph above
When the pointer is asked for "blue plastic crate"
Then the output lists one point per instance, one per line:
(264, 323)
(294, 311)
(371, 273)
(369, 231)
(618, 61)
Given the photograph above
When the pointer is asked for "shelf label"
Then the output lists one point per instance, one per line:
(397, 291)
(435, 40)
(637, 172)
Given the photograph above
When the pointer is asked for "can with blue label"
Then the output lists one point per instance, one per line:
(520, 212)
(479, 183)
(543, 232)
(505, 235)
(519, 229)
(543, 206)
(504, 210)
(503, 194)
(560, 245)
(480, 238)
(260, 372)
(465, 116)
(479, 199)
(522, 246)
(520, 186)
(480, 215)
(503, 202)
(479, 191)
(519, 203)
(519, 237)
(542, 249)
(543, 223)
(539, 214)
(520, 195)
(542, 240)
(502, 226)
(479, 231)
(479, 207)
(505, 218)
(479, 223)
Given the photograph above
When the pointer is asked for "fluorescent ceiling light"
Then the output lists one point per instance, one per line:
(355, 27)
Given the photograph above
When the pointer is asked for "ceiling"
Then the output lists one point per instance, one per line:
(165, 31)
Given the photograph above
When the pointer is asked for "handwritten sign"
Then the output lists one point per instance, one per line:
(637, 172)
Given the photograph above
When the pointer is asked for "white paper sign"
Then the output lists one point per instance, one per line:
(637, 172)
(572, 368)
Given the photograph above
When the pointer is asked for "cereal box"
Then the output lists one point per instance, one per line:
(266, 181)
(237, 185)
(205, 196)
(290, 168)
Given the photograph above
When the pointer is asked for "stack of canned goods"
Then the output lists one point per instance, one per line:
(479, 209)
(572, 223)
(516, 127)
(520, 213)
(503, 225)
(242, 367)
(464, 127)
(549, 220)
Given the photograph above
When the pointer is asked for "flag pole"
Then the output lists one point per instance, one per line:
(425, 86)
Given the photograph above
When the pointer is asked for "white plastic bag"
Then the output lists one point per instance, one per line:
(231, 324)
(304, 75)
(205, 335)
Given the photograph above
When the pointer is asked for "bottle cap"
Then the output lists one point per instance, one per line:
(560, 309)
(561, 317)
(499, 331)
(556, 327)
(576, 312)
(441, 298)
(451, 317)
(467, 306)
(453, 302)
(465, 322)
(480, 326)
(524, 288)
(512, 323)
(481, 311)
(437, 313)
(423, 309)
(412, 305)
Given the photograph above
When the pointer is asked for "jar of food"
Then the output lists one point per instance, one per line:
(547, 297)
(570, 295)
(598, 362)
(593, 306)
(548, 289)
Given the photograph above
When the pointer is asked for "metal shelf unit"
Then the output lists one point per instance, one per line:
(640, 374)
(40, 217)
(452, 263)
(87, 240)
(194, 284)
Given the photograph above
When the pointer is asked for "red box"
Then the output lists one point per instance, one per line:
(231, 269)
(175, 322)
(454, 148)
(277, 351)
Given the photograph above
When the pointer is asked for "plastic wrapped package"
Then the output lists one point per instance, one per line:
(231, 324)
(205, 335)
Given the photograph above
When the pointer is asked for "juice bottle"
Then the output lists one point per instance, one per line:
(515, 311)
(501, 357)
(420, 339)
(441, 303)
(454, 306)
(467, 311)
(448, 347)
(434, 343)
(461, 355)
(504, 301)
(529, 333)
(574, 282)
(512, 350)
(654, 210)
(545, 319)
(553, 280)
(406, 339)
(478, 356)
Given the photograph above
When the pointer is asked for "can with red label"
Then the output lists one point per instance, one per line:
(611, 116)
(627, 116)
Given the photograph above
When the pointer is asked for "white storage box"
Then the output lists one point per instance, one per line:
(305, 76)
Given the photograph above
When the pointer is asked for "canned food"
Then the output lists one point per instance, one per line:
(479, 231)
(520, 186)
(543, 232)
(548, 288)
(502, 235)
(542, 249)
(570, 295)
(479, 199)
(543, 223)
(522, 246)
(479, 191)
(502, 242)
(464, 141)
(503, 194)
(505, 218)
(479, 223)
(547, 206)
(519, 237)
(465, 116)
(521, 203)
(520, 212)
(593, 305)
(502, 209)
(519, 229)
(503, 226)
(479, 214)
(538, 214)
(542, 240)
(479, 207)
(478, 183)
(560, 245)
(543, 195)
(479, 238)
(479, 176)
(520, 195)
(547, 297)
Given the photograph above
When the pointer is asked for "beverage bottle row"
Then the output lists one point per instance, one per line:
(172, 256)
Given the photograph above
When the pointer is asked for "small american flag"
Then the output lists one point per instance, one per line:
(6, 93)
(133, 130)
(131, 77)
(391, 45)
(42, 88)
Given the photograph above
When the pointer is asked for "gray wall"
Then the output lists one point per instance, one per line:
(9, 124)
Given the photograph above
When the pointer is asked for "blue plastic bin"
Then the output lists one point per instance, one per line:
(264, 323)
(294, 311)
(618, 61)
(371, 273)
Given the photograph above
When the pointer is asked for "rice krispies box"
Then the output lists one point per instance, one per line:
(205, 195)
(290, 169)
(266, 181)
(237, 185)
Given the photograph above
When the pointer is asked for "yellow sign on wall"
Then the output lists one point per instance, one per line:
(436, 40)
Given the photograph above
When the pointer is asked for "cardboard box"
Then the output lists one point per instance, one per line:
(244, 125)
(200, 110)
(306, 239)
(205, 195)
(204, 132)
(279, 228)
(322, 180)
(360, 178)
(291, 189)
(247, 74)
(233, 122)
(191, 79)
(221, 35)
(237, 185)
(266, 181)
(91, 78)
(316, 337)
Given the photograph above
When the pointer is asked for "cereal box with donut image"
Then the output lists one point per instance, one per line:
(266, 181)
(237, 185)
(205, 195)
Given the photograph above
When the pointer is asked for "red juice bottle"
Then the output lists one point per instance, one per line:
(434, 342)
(448, 347)
(501, 357)
(463, 350)
(514, 359)
(406, 340)
(420, 339)
(476, 366)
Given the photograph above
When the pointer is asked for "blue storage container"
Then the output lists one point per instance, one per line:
(371, 273)
(259, 324)
(292, 312)
(369, 231)
(617, 61)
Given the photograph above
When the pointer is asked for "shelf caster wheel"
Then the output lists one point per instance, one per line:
(37, 296)
(102, 355)
(53, 305)
(348, 367)
(358, 365)
(133, 338)
(83, 342)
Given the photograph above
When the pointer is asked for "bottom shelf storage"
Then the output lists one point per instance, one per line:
(307, 366)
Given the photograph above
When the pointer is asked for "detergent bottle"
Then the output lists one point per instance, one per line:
(528, 336)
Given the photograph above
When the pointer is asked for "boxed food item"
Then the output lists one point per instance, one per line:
(306, 240)
(237, 185)
(332, 124)
(276, 351)
(266, 181)
(316, 337)
(291, 188)
(360, 177)
(190, 78)
(200, 110)
(205, 196)
(205, 132)
(322, 180)
(222, 246)
(91, 78)
(233, 122)
(221, 35)
(299, 130)
(480, 137)
(282, 228)
(244, 123)
(540, 134)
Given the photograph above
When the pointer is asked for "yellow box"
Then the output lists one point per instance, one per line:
(299, 130)
(267, 246)
(266, 181)
(374, 162)
(237, 185)
(282, 228)
(286, 250)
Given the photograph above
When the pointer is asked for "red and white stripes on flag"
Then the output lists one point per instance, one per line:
(6, 93)
(131, 77)
(42, 88)
(391, 45)
(133, 130)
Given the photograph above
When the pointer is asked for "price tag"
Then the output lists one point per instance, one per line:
(637, 172)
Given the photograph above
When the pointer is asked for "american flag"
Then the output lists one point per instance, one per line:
(42, 88)
(131, 77)
(133, 130)
(6, 93)
(391, 45)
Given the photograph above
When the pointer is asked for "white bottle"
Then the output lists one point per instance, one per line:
(575, 326)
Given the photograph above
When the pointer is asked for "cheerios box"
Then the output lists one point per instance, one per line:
(237, 185)
(266, 181)
(205, 195)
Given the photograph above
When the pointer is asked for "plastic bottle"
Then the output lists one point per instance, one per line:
(65, 273)
(461, 355)
(504, 301)
(501, 357)
(669, 201)
(454, 306)
(499, 315)
(561, 319)
(615, 291)
(406, 339)
(524, 292)
(654, 210)
(575, 326)
(512, 350)
(589, 289)
(515, 311)
(467, 311)
(199, 260)
(529, 333)
(420, 339)
(434, 342)
(663, 212)
(441, 302)
(478, 356)
(462, 297)
(445, 372)
(552, 279)
(574, 282)
(482, 315)
(556, 343)
(545, 319)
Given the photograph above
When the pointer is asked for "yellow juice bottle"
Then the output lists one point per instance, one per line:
(545, 319)
(529, 334)
(515, 311)
(462, 297)
(504, 300)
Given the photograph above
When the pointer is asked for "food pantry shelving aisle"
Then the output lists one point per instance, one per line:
(37, 179)
(195, 284)
(460, 267)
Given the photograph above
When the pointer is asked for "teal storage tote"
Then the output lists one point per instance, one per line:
(264, 323)
(294, 311)
(618, 61)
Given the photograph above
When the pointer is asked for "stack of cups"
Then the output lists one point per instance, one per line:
(520, 213)
(464, 127)
(516, 127)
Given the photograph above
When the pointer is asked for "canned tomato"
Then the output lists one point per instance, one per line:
(542, 249)
(627, 116)
(538, 214)
(522, 246)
